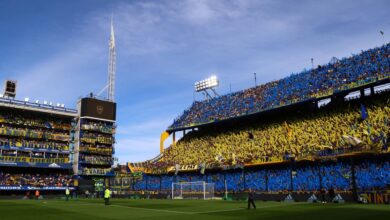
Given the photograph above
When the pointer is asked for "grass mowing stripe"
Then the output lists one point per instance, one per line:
(132, 207)
(160, 210)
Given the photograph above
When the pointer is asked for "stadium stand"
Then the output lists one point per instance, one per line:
(34, 150)
(36, 180)
(299, 137)
(371, 174)
(96, 148)
(245, 140)
(337, 175)
(366, 67)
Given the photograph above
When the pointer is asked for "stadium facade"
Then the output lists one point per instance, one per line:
(49, 148)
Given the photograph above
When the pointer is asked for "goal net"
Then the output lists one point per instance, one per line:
(193, 190)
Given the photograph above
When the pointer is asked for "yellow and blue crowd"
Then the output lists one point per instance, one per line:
(324, 134)
(301, 137)
(35, 180)
(365, 67)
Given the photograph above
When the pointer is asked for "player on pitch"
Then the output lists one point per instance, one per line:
(251, 199)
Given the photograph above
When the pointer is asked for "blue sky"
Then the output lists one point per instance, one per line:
(58, 50)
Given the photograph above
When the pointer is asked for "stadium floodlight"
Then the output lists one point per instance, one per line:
(208, 83)
(26, 99)
(63, 105)
(45, 102)
(37, 101)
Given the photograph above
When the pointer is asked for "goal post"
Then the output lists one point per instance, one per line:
(193, 190)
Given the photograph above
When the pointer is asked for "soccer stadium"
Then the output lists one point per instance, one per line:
(308, 144)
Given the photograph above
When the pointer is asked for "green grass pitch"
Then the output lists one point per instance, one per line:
(184, 210)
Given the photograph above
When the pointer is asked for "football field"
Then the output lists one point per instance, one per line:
(184, 210)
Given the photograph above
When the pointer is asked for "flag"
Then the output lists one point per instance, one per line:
(382, 33)
(202, 168)
(234, 162)
(219, 157)
(368, 129)
(47, 124)
(177, 168)
(288, 130)
(384, 141)
(351, 140)
(364, 112)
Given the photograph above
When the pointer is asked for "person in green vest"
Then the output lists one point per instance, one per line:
(107, 195)
(67, 193)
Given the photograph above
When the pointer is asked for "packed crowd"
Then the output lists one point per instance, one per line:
(299, 137)
(23, 143)
(97, 149)
(368, 66)
(337, 176)
(279, 180)
(373, 175)
(31, 154)
(256, 180)
(34, 133)
(98, 126)
(370, 175)
(36, 180)
(93, 138)
(96, 159)
(306, 179)
(153, 182)
(96, 171)
(36, 122)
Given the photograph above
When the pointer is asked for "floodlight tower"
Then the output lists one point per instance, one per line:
(206, 85)
(111, 65)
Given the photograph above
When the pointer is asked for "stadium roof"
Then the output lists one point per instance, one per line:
(36, 107)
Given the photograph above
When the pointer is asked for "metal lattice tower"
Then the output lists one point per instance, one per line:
(111, 65)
